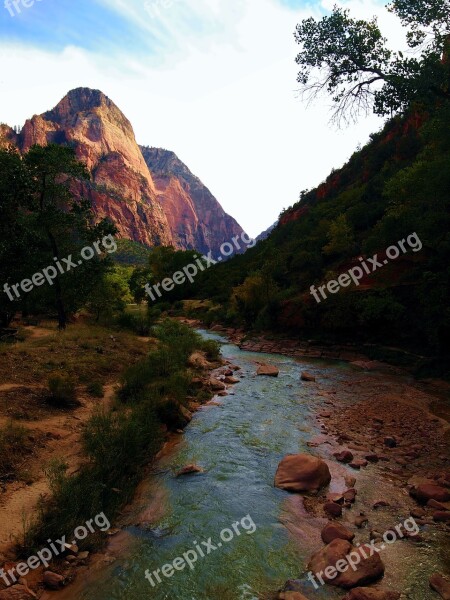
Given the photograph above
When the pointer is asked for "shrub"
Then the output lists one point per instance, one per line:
(95, 388)
(211, 348)
(62, 391)
(13, 444)
(172, 414)
(140, 324)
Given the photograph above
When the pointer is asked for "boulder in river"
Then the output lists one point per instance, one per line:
(341, 564)
(216, 385)
(365, 593)
(333, 531)
(345, 456)
(441, 585)
(429, 491)
(268, 370)
(189, 470)
(332, 509)
(302, 473)
(307, 376)
(441, 516)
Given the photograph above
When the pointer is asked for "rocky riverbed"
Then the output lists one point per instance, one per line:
(380, 435)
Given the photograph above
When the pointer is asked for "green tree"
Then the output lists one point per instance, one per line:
(163, 262)
(351, 61)
(110, 295)
(63, 223)
(341, 239)
(15, 244)
(256, 292)
(138, 279)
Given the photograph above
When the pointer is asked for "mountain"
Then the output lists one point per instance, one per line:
(195, 217)
(169, 206)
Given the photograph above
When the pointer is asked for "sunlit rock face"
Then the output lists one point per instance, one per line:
(148, 193)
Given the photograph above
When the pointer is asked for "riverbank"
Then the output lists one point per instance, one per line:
(389, 360)
(115, 437)
(304, 520)
(392, 452)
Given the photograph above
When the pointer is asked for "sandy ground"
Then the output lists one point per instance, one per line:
(55, 435)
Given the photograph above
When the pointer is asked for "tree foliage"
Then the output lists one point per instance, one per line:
(351, 60)
(42, 221)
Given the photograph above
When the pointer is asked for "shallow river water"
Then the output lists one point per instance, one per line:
(239, 445)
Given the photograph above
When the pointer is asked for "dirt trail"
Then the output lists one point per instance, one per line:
(56, 435)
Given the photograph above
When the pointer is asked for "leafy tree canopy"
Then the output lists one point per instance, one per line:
(350, 59)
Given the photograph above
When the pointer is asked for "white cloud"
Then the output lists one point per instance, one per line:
(224, 99)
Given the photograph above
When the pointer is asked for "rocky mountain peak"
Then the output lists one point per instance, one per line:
(149, 193)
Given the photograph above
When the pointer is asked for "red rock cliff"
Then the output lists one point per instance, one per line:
(177, 211)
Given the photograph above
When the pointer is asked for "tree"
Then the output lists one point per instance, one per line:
(350, 59)
(341, 239)
(15, 244)
(62, 223)
(110, 295)
(256, 292)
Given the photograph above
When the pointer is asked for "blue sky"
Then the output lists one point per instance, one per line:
(54, 24)
(212, 80)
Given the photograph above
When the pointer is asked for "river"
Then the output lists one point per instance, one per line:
(239, 445)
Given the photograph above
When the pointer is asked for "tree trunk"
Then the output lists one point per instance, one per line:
(62, 316)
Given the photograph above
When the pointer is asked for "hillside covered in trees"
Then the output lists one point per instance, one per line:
(397, 185)
(365, 255)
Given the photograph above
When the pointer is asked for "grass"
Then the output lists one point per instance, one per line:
(14, 445)
(62, 391)
(83, 352)
(95, 389)
(120, 441)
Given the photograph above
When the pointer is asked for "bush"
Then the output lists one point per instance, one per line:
(62, 391)
(117, 443)
(211, 348)
(172, 414)
(13, 444)
(95, 388)
(140, 324)
(117, 446)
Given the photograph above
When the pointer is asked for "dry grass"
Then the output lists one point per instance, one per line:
(83, 352)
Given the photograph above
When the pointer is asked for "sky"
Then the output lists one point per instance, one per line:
(212, 80)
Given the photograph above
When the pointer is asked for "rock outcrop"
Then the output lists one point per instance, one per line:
(168, 207)
(195, 217)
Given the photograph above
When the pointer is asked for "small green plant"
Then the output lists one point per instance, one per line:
(211, 348)
(14, 444)
(62, 391)
(95, 388)
(138, 323)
